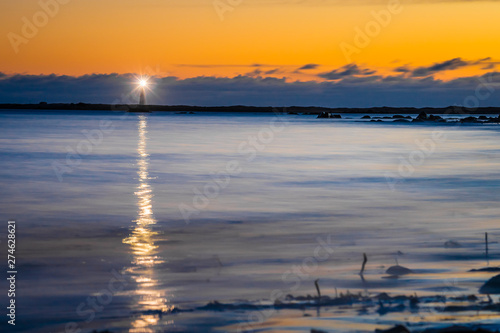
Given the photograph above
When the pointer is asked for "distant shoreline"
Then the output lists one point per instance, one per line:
(247, 109)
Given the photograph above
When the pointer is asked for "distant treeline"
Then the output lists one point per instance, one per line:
(242, 108)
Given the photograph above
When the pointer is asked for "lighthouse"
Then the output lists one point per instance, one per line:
(142, 96)
(141, 107)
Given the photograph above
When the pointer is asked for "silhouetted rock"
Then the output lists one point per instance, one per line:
(421, 116)
(401, 121)
(493, 120)
(398, 270)
(317, 331)
(329, 115)
(492, 286)
(366, 117)
(434, 118)
(424, 117)
(395, 329)
(469, 120)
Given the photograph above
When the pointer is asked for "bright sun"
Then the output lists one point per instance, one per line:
(143, 83)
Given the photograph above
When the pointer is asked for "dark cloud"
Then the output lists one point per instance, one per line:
(351, 90)
(272, 71)
(402, 69)
(260, 72)
(308, 66)
(256, 72)
(440, 66)
(346, 71)
(450, 65)
(224, 65)
(483, 60)
(489, 66)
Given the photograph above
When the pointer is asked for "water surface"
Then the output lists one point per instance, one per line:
(148, 213)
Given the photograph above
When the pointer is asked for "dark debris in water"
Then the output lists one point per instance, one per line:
(382, 304)
(398, 270)
(395, 329)
(486, 269)
(450, 329)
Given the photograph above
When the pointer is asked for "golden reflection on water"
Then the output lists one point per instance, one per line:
(151, 300)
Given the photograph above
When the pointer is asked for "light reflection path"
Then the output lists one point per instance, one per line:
(150, 297)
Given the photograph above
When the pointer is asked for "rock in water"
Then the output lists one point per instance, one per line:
(434, 118)
(469, 120)
(492, 286)
(398, 270)
(329, 115)
(422, 116)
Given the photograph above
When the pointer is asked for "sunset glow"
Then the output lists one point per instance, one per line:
(183, 43)
(188, 38)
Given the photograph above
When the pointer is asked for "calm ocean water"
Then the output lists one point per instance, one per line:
(121, 217)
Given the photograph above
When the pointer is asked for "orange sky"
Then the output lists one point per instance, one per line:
(188, 38)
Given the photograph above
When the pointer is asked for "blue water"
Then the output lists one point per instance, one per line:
(142, 214)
